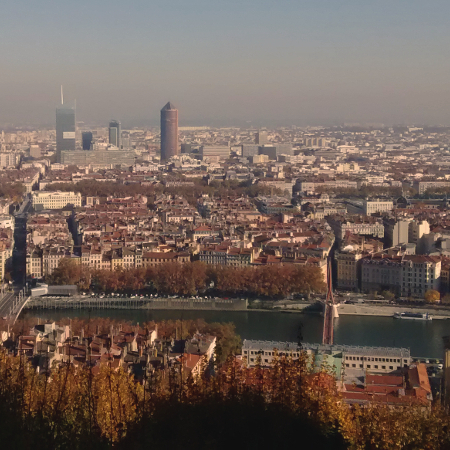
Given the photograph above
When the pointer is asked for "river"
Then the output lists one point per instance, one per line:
(424, 338)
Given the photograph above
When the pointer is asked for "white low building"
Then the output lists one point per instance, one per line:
(7, 221)
(351, 357)
(55, 200)
(377, 205)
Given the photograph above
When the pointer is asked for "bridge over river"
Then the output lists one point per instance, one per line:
(11, 305)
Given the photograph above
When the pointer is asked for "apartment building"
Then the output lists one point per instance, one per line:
(6, 251)
(153, 259)
(55, 200)
(423, 186)
(445, 277)
(51, 257)
(420, 273)
(48, 241)
(407, 275)
(223, 254)
(365, 225)
(417, 229)
(34, 263)
(377, 205)
(11, 159)
(7, 221)
(381, 272)
(348, 269)
(396, 231)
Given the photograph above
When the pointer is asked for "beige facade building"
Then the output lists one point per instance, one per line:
(348, 268)
(214, 153)
(6, 250)
(417, 230)
(380, 272)
(407, 275)
(377, 205)
(55, 200)
(420, 273)
(423, 186)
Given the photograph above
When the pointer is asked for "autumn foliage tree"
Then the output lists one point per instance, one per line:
(273, 281)
(432, 296)
(288, 403)
(12, 191)
(69, 271)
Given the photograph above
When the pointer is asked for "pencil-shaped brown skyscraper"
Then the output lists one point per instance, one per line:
(169, 132)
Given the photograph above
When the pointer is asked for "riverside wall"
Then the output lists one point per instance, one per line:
(129, 303)
(389, 310)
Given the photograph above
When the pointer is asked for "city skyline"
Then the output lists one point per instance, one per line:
(289, 63)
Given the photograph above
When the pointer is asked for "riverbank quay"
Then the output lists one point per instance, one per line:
(82, 302)
(283, 306)
(389, 310)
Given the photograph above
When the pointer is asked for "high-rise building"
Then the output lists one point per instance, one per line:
(273, 151)
(186, 148)
(65, 128)
(169, 132)
(261, 138)
(126, 141)
(250, 150)
(115, 133)
(86, 138)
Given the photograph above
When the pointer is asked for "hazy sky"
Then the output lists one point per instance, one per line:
(227, 62)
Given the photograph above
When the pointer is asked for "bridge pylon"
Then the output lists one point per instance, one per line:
(330, 311)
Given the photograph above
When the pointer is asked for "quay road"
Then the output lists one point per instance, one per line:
(80, 302)
(6, 304)
(389, 310)
(11, 303)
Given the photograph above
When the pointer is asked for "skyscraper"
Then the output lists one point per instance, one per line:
(65, 128)
(115, 133)
(169, 132)
(86, 139)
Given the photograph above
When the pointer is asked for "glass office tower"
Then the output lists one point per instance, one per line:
(86, 139)
(65, 128)
(115, 133)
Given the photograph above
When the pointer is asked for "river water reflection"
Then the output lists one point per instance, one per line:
(422, 337)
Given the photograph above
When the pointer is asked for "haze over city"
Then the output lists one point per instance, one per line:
(250, 62)
(225, 225)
